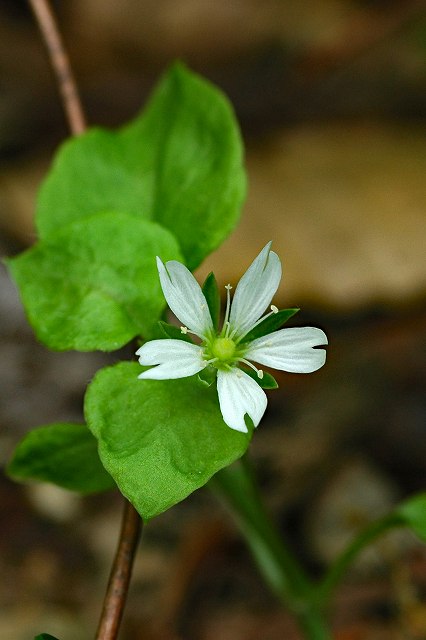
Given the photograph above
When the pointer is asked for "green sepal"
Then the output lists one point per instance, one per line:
(413, 514)
(159, 439)
(207, 375)
(94, 284)
(211, 293)
(63, 454)
(267, 382)
(167, 330)
(269, 324)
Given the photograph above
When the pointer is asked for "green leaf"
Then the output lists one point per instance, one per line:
(173, 332)
(413, 513)
(178, 163)
(63, 454)
(267, 382)
(45, 636)
(211, 292)
(270, 324)
(159, 439)
(94, 284)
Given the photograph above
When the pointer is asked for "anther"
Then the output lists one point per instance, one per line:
(184, 330)
(227, 310)
(274, 310)
(251, 365)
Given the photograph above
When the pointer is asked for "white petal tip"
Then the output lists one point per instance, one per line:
(160, 263)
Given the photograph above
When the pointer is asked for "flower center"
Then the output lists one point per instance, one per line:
(223, 349)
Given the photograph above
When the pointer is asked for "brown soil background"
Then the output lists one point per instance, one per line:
(331, 96)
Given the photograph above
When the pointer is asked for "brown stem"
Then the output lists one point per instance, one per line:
(131, 527)
(60, 63)
(115, 597)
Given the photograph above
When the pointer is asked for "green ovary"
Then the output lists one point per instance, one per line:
(223, 349)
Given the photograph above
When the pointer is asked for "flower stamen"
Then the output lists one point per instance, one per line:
(185, 332)
(273, 311)
(223, 352)
(226, 324)
(250, 364)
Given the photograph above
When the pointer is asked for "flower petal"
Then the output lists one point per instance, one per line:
(175, 359)
(184, 297)
(290, 349)
(255, 291)
(239, 394)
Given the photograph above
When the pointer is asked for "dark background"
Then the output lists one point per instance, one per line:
(331, 97)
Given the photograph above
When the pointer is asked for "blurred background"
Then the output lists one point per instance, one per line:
(331, 97)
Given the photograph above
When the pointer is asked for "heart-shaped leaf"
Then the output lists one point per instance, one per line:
(178, 163)
(159, 439)
(64, 454)
(94, 284)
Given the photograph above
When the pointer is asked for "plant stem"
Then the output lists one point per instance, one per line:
(131, 527)
(60, 64)
(115, 597)
(279, 567)
(340, 566)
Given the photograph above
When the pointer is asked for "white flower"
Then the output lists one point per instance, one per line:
(239, 394)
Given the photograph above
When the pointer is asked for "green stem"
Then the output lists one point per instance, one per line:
(279, 567)
(340, 566)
